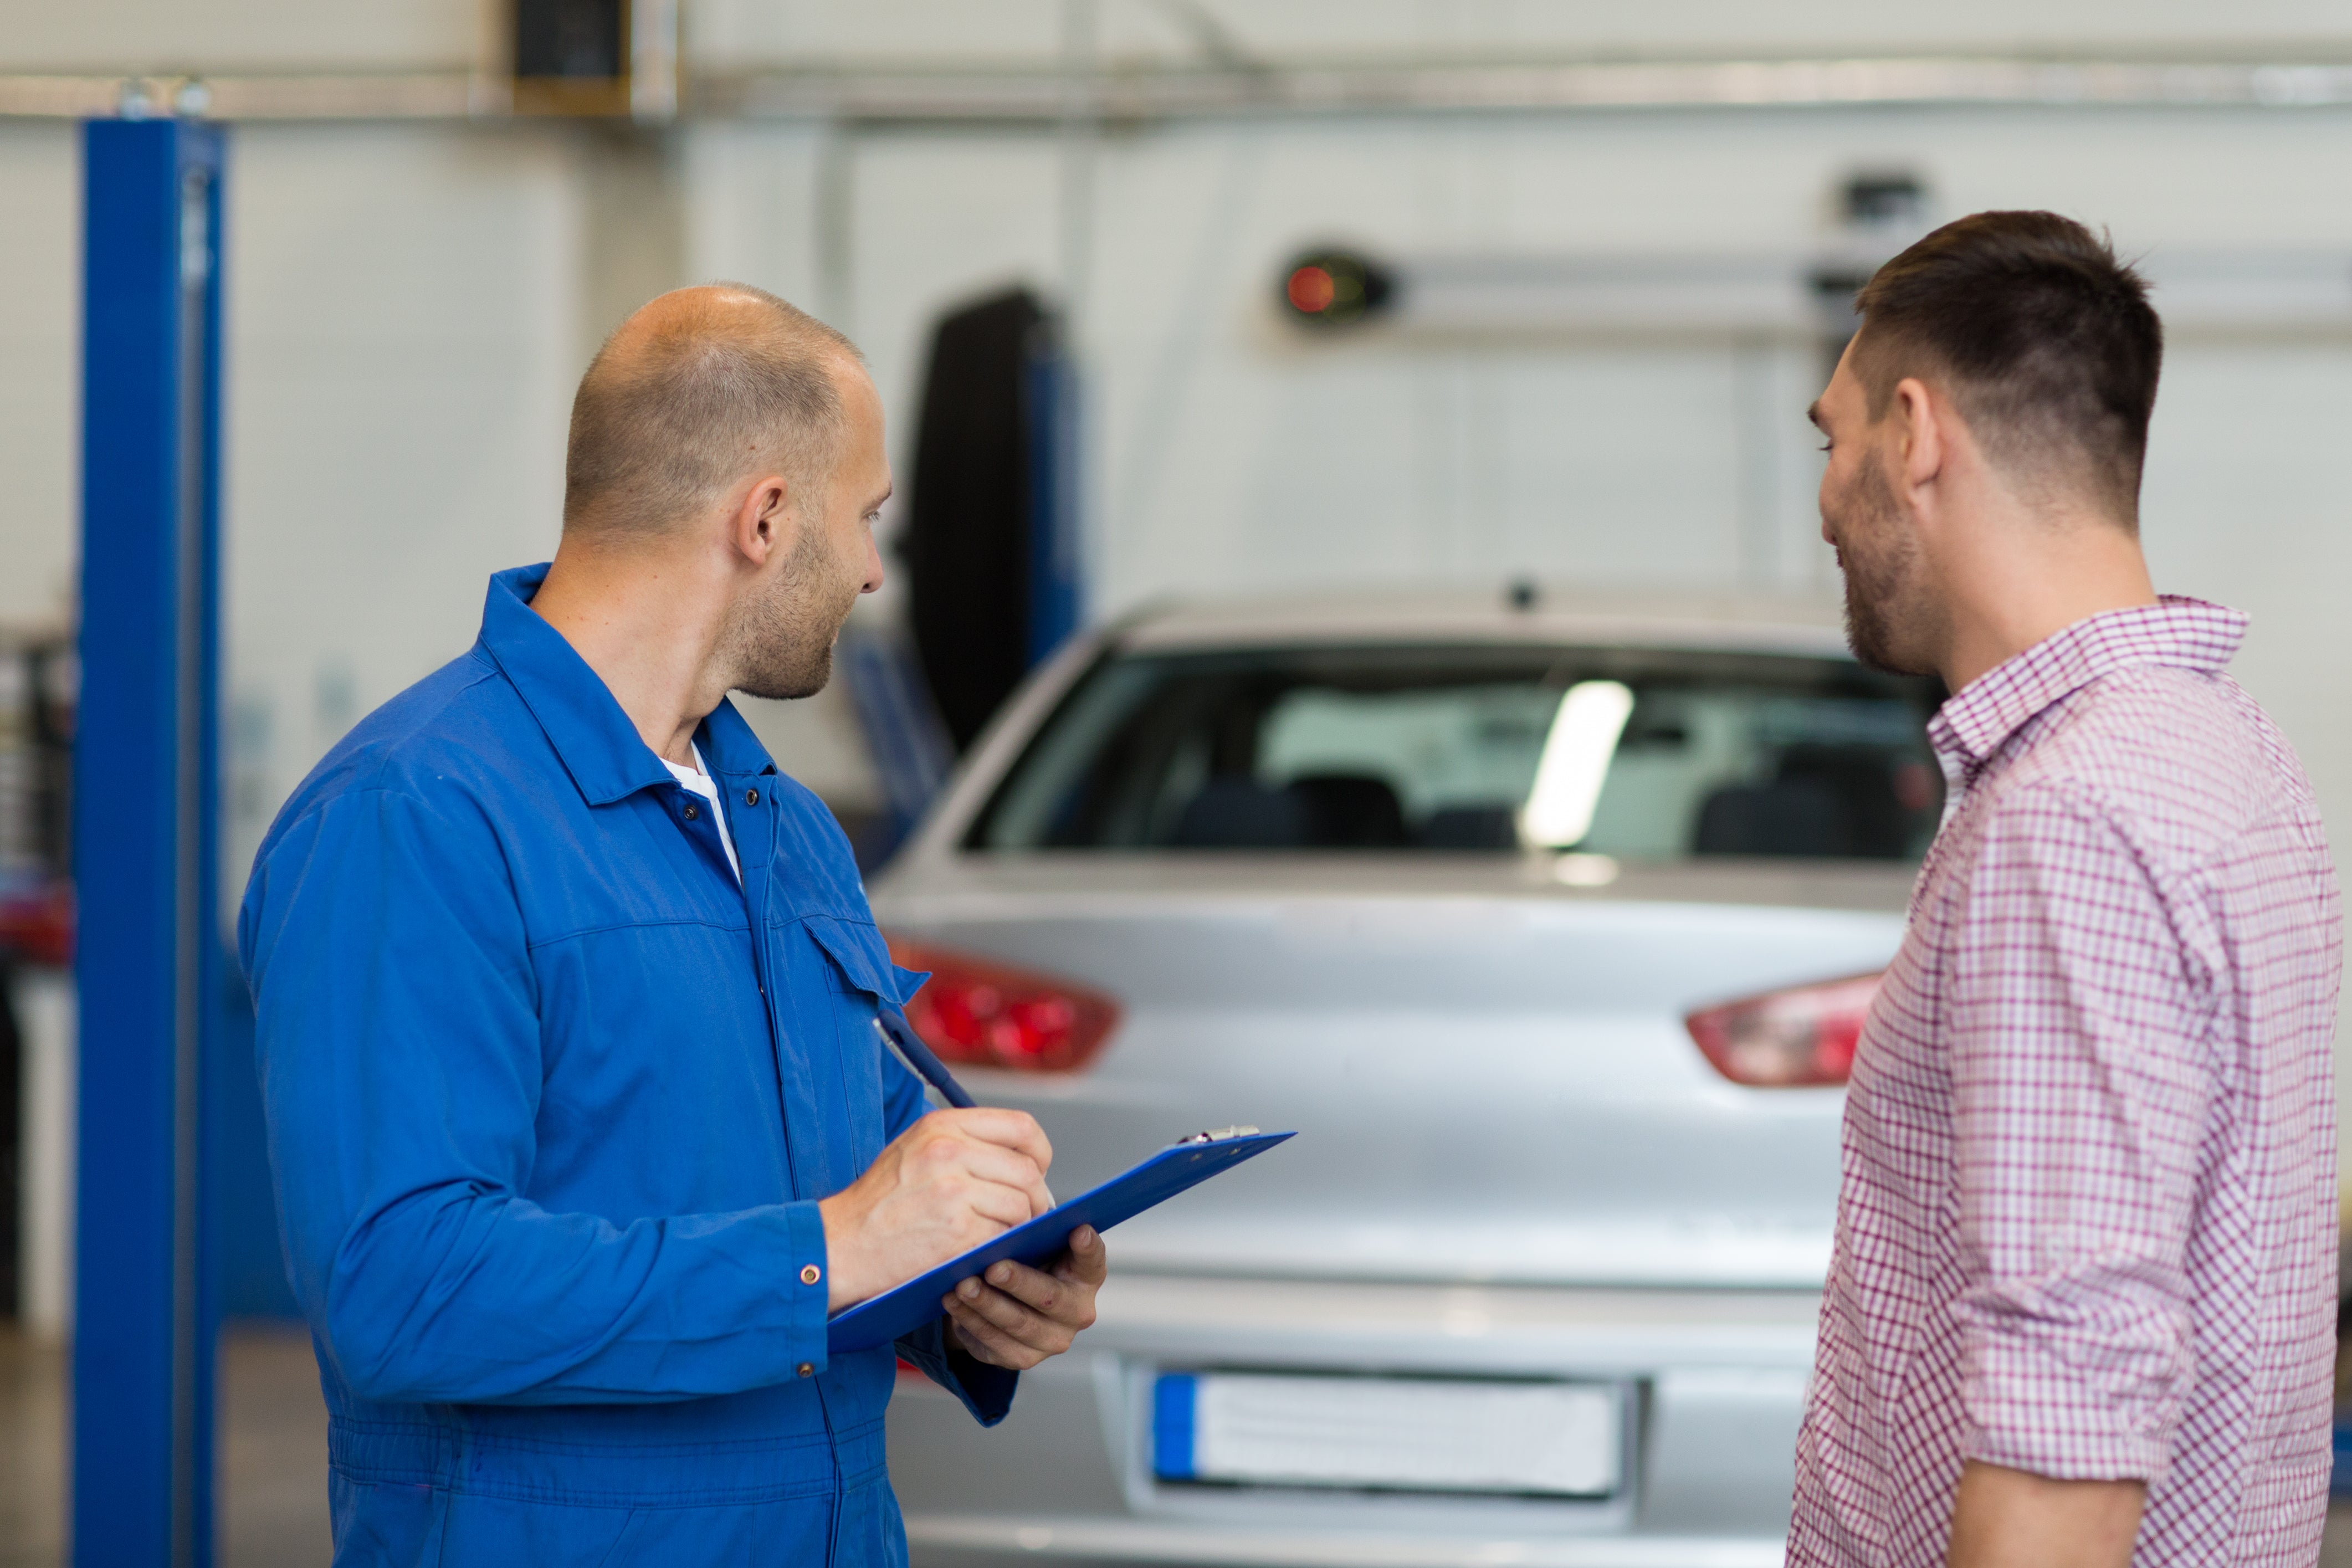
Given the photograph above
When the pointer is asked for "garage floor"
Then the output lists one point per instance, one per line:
(273, 1452)
(273, 1472)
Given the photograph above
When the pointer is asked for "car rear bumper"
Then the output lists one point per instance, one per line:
(1714, 1381)
(952, 1541)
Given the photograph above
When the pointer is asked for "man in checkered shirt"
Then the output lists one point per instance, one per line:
(2082, 1306)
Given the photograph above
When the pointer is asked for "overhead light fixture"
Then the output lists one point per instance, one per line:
(1575, 763)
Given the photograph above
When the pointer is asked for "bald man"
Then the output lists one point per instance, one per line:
(578, 1117)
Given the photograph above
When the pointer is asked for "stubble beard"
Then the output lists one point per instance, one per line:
(1888, 620)
(783, 640)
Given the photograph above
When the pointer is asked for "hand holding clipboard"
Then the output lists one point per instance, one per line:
(882, 1319)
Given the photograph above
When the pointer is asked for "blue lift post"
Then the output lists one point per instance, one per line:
(146, 809)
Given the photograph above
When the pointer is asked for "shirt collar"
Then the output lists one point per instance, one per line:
(601, 749)
(2187, 633)
(728, 744)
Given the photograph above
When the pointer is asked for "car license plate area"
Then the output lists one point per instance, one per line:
(1454, 1436)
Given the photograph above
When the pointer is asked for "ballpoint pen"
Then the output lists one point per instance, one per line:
(897, 1032)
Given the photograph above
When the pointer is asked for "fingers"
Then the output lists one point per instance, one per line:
(985, 1342)
(1015, 1130)
(1042, 1293)
(988, 1163)
(1000, 1206)
(1021, 1315)
(953, 1156)
(1066, 1295)
(1012, 1200)
(1009, 1314)
(1088, 1262)
(1017, 1316)
(1017, 1336)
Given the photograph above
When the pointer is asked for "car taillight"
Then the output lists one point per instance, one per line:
(1786, 1039)
(984, 1014)
(38, 923)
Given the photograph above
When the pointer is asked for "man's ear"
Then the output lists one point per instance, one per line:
(764, 521)
(1920, 426)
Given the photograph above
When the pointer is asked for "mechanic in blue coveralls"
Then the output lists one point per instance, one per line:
(580, 1121)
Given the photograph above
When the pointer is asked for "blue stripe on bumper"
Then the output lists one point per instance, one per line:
(1173, 1399)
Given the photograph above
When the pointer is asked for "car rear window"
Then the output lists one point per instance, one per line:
(1639, 754)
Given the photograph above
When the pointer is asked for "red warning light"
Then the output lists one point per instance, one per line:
(1331, 288)
(1311, 290)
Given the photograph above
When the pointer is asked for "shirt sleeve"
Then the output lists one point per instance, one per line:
(2081, 1085)
(398, 1041)
(986, 1391)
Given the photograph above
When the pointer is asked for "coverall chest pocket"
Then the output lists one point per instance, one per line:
(863, 981)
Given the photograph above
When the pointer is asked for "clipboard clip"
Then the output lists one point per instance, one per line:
(1219, 1136)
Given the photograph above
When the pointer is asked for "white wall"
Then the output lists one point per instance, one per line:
(1230, 452)
(1022, 31)
(409, 305)
(404, 340)
(39, 346)
(124, 36)
(407, 324)
(49, 1084)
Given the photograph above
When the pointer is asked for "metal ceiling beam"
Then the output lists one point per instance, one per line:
(1130, 95)
(1289, 91)
(1805, 297)
(422, 95)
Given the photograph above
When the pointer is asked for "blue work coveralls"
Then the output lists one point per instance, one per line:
(551, 1104)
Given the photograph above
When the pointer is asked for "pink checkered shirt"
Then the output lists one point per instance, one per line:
(2089, 1221)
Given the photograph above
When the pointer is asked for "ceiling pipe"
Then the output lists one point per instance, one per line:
(1116, 95)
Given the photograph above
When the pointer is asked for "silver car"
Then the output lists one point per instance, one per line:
(1549, 927)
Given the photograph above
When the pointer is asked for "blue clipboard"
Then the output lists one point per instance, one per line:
(883, 1319)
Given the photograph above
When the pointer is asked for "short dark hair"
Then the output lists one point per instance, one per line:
(666, 420)
(2047, 344)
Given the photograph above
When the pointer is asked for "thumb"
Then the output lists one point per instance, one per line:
(1089, 1260)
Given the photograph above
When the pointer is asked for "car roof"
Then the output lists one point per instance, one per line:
(1722, 621)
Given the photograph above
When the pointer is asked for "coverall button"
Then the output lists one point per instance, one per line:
(811, 1273)
(806, 1369)
(751, 797)
(692, 810)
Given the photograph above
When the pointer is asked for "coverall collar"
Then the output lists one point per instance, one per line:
(601, 749)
